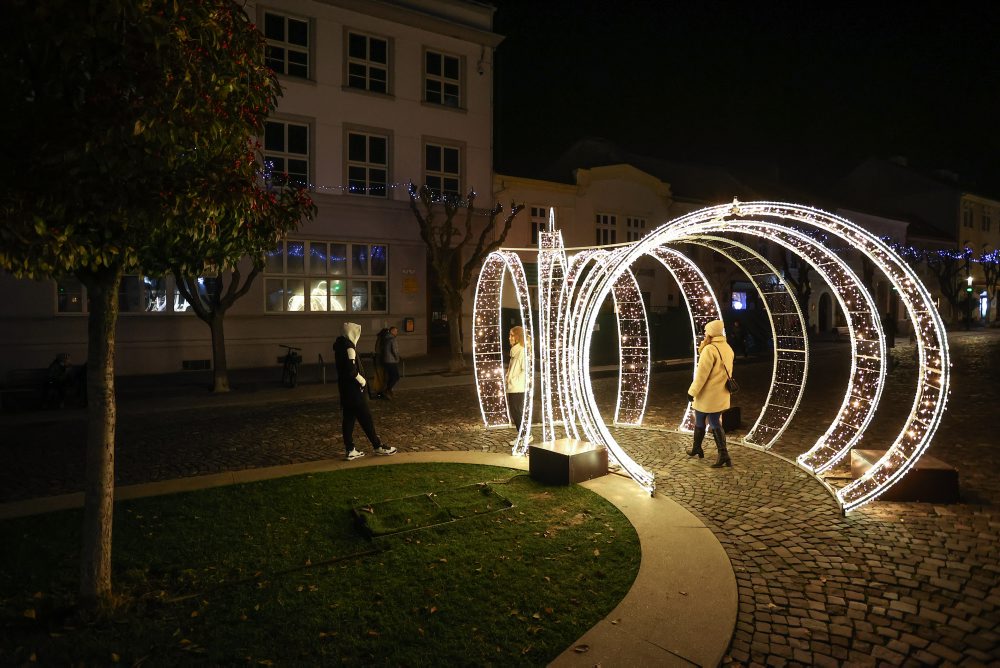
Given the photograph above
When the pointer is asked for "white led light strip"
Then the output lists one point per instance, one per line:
(488, 338)
(702, 305)
(579, 302)
(788, 332)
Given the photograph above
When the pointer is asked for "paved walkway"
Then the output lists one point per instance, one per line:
(890, 583)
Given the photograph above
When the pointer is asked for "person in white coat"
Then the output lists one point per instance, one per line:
(708, 392)
(516, 380)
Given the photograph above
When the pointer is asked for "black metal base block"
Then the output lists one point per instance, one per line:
(930, 480)
(567, 461)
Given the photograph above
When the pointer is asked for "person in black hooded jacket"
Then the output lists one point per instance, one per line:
(351, 383)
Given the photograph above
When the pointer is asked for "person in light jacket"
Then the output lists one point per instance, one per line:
(708, 392)
(516, 381)
(351, 383)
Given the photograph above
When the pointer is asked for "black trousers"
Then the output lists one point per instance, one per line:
(515, 401)
(355, 408)
(391, 375)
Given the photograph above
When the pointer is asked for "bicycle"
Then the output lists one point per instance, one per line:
(291, 360)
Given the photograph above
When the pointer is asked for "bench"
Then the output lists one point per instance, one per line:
(23, 388)
(929, 480)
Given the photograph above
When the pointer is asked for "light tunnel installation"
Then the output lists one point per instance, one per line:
(572, 288)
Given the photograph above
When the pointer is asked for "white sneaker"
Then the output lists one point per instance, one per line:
(354, 454)
(385, 451)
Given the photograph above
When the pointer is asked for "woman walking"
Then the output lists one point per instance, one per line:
(516, 380)
(708, 392)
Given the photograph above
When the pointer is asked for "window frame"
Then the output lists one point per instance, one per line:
(308, 276)
(606, 226)
(443, 144)
(368, 132)
(367, 62)
(442, 79)
(310, 53)
(286, 155)
(635, 228)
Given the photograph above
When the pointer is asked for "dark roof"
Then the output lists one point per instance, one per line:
(688, 181)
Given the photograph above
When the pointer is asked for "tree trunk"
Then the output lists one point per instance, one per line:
(456, 362)
(220, 370)
(99, 486)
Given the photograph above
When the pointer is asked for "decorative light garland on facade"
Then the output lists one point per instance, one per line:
(589, 277)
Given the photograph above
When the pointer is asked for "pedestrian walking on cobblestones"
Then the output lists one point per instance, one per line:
(516, 379)
(389, 353)
(351, 384)
(708, 392)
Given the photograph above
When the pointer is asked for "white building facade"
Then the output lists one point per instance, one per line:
(376, 95)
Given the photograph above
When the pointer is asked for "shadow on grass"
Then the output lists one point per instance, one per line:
(276, 571)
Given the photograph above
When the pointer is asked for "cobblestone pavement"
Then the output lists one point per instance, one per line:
(891, 583)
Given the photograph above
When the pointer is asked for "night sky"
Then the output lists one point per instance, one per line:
(812, 88)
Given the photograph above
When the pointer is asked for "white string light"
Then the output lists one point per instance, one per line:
(589, 277)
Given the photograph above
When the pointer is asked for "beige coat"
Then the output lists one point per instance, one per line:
(516, 371)
(709, 385)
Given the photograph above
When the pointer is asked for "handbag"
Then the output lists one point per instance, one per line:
(731, 385)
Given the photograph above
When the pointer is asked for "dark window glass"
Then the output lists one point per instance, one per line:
(378, 51)
(274, 27)
(451, 67)
(379, 301)
(433, 63)
(378, 260)
(274, 56)
(451, 160)
(298, 139)
(376, 150)
(378, 80)
(433, 158)
(359, 264)
(356, 148)
(274, 136)
(317, 257)
(357, 46)
(298, 32)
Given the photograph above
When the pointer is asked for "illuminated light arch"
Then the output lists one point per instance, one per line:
(488, 342)
(788, 332)
(703, 307)
(774, 220)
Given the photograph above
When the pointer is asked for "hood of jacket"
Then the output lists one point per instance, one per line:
(715, 328)
(352, 332)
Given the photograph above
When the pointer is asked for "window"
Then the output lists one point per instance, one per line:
(636, 228)
(442, 170)
(367, 164)
(69, 295)
(967, 217)
(539, 222)
(367, 63)
(287, 49)
(739, 301)
(319, 276)
(607, 229)
(441, 79)
(987, 222)
(286, 153)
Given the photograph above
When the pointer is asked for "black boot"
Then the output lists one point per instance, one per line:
(720, 443)
(699, 436)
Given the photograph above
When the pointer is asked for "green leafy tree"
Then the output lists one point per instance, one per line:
(207, 266)
(457, 251)
(126, 135)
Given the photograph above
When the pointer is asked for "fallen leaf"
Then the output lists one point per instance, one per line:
(373, 633)
(597, 552)
(580, 649)
(29, 613)
(549, 611)
(683, 593)
(194, 613)
(537, 615)
(115, 658)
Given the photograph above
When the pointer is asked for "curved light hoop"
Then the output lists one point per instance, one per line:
(867, 377)
(706, 222)
(791, 344)
(551, 280)
(593, 290)
(934, 381)
(487, 342)
(577, 264)
(633, 351)
(703, 307)
(930, 400)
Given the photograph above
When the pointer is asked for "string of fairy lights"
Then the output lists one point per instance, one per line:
(573, 288)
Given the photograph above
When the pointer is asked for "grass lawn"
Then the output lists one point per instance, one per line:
(278, 572)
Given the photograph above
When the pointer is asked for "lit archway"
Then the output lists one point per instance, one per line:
(572, 300)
